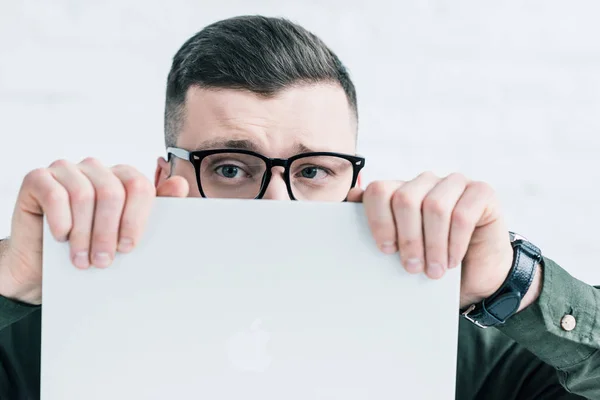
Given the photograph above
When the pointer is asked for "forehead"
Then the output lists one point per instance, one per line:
(315, 116)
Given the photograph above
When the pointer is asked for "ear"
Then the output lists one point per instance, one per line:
(163, 171)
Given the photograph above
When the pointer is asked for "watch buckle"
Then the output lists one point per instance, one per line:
(469, 318)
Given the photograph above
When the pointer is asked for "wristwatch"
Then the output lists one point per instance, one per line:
(505, 302)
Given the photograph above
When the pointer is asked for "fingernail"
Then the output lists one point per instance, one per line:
(125, 245)
(452, 264)
(101, 260)
(81, 259)
(435, 270)
(413, 265)
(389, 247)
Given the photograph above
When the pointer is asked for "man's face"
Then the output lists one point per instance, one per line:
(299, 119)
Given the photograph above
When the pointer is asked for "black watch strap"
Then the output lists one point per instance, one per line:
(505, 302)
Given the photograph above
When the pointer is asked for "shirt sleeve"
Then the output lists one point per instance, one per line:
(20, 349)
(562, 328)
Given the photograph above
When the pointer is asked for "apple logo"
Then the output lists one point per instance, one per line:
(247, 350)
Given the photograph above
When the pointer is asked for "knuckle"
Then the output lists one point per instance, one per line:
(457, 176)
(60, 164)
(383, 229)
(129, 228)
(91, 161)
(461, 218)
(111, 193)
(428, 175)
(35, 176)
(403, 199)
(409, 244)
(79, 237)
(483, 187)
(59, 229)
(454, 249)
(434, 251)
(434, 206)
(104, 240)
(82, 194)
(139, 185)
(376, 189)
(54, 196)
(124, 168)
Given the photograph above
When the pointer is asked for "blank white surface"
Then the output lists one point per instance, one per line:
(344, 320)
(504, 91)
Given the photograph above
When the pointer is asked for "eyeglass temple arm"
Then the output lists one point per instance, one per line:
(179, 153)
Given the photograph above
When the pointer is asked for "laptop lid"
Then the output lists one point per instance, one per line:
(230, 299)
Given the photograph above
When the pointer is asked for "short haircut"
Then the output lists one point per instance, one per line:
(263, 55)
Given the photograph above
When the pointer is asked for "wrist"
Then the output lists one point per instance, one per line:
(534, 290)
(12, 288)
(520, 289)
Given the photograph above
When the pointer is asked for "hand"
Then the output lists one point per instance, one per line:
(98, 210)
(438, 223)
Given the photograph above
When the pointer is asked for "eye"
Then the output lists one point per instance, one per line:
(313, 172)
(228, 171)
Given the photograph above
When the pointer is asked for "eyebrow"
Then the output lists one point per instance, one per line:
(244, 145)
(227, 144)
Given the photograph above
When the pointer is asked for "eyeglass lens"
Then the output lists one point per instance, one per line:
(316, 178)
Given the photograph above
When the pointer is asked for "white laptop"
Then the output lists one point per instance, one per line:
(234, 299)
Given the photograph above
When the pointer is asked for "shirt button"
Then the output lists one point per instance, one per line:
(568, 323)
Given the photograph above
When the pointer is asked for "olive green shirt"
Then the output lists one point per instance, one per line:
(531, 357)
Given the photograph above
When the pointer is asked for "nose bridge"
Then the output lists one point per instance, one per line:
(276, 187)
(279, 162)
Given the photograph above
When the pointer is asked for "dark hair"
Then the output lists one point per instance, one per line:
(260, 54)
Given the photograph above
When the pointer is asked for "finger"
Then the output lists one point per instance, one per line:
(110, 200)
(41, 194)
(355, 195)
(406, 203)
(437, 210)
(175, 186)
(376, 200)
(82, 200)
(467, 213)
(139, 194)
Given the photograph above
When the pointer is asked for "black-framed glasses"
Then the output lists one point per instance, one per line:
(244, 174)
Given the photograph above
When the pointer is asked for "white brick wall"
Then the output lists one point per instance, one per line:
(507, 92)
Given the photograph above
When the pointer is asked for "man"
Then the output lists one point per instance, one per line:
(249, 101)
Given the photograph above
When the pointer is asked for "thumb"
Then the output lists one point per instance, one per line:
(355, 195)
(175, 186)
